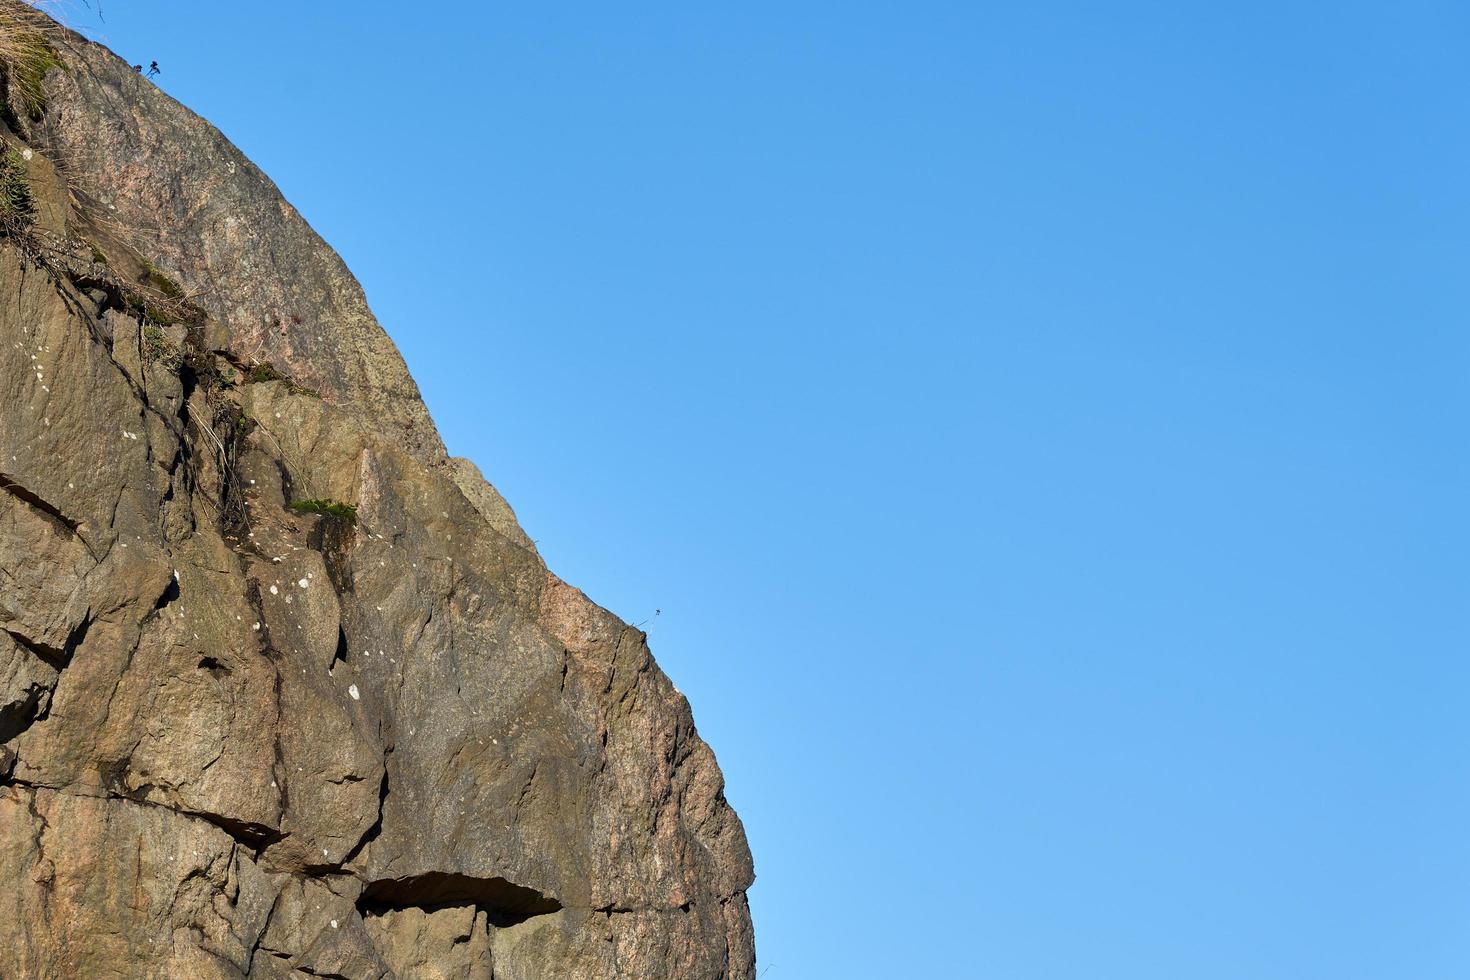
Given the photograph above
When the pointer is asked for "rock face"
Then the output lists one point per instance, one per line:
(244, 738)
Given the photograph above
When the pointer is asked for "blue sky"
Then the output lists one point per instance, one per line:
(1042, 426)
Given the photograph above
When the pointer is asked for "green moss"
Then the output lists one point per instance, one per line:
(161, 282)
(152, 313)
(261, 373)
(328, 508)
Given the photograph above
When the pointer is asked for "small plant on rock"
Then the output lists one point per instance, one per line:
(334, 509)
(158, 350)
(261, 373)
(17, 205)
(151, 313)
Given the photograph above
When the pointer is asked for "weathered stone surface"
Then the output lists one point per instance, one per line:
(238, 739)
(453, 941)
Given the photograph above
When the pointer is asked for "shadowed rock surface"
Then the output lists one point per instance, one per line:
(239, 739)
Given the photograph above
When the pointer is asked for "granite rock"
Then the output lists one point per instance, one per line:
(242, 734)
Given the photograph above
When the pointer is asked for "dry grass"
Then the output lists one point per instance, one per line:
(27, 53)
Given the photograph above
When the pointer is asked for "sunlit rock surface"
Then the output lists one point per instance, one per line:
(242, 739)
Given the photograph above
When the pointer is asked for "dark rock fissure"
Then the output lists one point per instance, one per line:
(332, 538)
(19, 492)
(170, 594)
(252, 836)
(19, 715)
(504, 902)
(340, 657)
(377, 827)
(255, 837)
(56, 659)
(261, 934)
(615, 909)
(47, 510)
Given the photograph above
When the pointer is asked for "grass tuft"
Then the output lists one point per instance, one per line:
(27, 54)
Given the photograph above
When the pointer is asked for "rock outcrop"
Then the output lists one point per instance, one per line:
(284, 690)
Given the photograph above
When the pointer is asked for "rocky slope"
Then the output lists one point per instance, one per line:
(367, 735)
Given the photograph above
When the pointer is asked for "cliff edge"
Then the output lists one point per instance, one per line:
(284, 689)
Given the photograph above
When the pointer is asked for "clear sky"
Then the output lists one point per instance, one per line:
(1042, 425)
